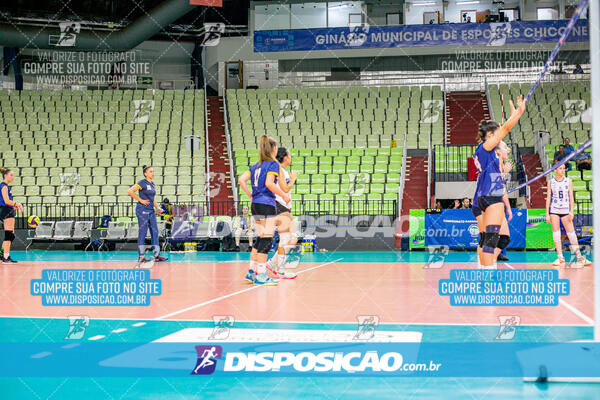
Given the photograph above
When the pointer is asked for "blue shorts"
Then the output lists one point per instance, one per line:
(485, 201)
(476, 211)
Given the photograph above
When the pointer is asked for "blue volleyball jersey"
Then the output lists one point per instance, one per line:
(258, 177)
(2, 203)
(489, 181)
(146, 192)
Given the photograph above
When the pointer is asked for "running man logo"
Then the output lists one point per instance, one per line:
(432, 110)
(499, 32)
(366, 327)
(508, 324)
(207, 359)
(573, 111)
(287, 110)
(143, 108)
(68, 35)
(586, 252)
(358, 184)
(68, 183)
(77, 326)
(358, 35)
(437, 257)
(223, 325)
(216, 182)
(212, 34)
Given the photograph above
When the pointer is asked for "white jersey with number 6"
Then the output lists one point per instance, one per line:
(286, 176)
(559, 197)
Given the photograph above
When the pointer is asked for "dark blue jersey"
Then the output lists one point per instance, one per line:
(2, 203)
(489, 181)
(258, 178)
(146, 192)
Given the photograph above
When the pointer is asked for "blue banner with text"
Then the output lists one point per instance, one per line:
(487, 34)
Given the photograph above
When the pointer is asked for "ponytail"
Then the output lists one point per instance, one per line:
(486, 126)
(266, 148)
(4, 171)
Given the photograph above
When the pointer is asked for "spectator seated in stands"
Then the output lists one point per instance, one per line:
(560, 70)
(568, 146)
(578, 69)
(560, 154)
(466, 203)
(167, 216)
(457, 204)
(583, 161)
(243, 225)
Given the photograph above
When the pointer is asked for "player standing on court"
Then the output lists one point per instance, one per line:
(286, 225)
(559, 208)
(262, 177)
(490, 184)
(146, 211)
(7, 213)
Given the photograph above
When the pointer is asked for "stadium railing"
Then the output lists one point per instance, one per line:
(234, 185)
(521, 175)
(206, 144)
(451, 163)
(447, 79)
(94, 211)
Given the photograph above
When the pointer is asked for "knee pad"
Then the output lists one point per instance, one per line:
(492, 236)
(503, 241)
(9, 236)
(263, 245)
(481, 238)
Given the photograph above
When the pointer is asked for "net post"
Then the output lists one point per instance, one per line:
(594, 35)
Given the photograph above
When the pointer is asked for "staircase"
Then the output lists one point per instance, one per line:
(537, 189)
(219, 191)
(464, 111)
(415, 185)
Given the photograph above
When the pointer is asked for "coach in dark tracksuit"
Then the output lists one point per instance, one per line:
(146, 211)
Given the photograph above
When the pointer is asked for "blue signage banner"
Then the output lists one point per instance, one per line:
(500, 358)
(488, 34)
(458, 229)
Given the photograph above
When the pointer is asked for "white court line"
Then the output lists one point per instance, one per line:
(233, 294)
(292, 321)
(567, 305)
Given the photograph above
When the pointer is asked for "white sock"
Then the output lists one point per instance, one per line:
(261, 268)
(574, 244)
(253, 265)
(6, 255)
(557, 244)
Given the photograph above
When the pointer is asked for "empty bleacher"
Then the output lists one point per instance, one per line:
(555, 107)
(88, 146)
(346, 142)
(337, 117)
(329, 178)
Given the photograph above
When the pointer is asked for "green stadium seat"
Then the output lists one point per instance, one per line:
(582, 195)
